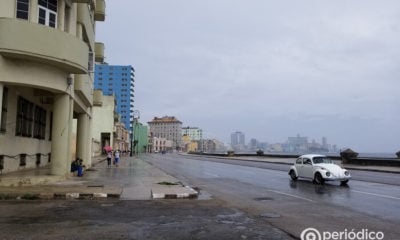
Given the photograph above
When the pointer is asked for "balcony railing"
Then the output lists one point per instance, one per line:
(83, 87)
(97, 98)
(85, 19)
(100, 10)
(26, 40)
(99, 52)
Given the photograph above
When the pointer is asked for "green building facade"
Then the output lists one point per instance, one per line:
(140, 138)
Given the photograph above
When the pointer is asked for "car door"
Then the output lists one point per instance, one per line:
(298, 164)
(307, 168)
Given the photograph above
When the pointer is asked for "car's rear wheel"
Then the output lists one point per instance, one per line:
(293, 175)
(318, 179)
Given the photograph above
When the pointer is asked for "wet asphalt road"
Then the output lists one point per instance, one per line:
(370, 201)
(115, 219)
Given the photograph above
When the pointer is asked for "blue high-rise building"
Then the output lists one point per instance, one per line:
(117, 80)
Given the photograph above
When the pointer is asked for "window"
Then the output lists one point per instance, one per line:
(39, 129)
(90, 61)
(23, 9)
(51, 127)
(31, 120)
(24, 118)
(48, 13)
(3, 120)
(307, 161)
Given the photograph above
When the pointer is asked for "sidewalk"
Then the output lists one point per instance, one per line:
(133, 179)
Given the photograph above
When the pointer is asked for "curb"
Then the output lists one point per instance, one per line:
(186, 195)
(58, 196)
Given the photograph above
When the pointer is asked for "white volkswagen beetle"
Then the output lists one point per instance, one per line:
(319, 168)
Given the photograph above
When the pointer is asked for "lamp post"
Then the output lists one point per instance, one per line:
(134, 140)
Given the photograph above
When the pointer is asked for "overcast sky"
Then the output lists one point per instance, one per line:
(271, 69)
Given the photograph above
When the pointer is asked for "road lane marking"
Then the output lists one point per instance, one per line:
(287, 194)
(375, 194)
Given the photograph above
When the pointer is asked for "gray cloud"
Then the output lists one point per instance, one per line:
(269, 68)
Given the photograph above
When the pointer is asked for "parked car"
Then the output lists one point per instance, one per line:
(319, 168)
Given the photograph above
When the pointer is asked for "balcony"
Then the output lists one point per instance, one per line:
(84, 18)
(31, 41)
(83, 88)
(100, 10)
(99, 52)
(97, 98)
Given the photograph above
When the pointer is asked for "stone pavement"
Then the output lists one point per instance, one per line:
(133, 179)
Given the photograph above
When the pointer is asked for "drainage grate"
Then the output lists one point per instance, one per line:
(95, 186)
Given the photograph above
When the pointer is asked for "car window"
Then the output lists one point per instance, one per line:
(307, 161)
(322, 160)
(299, 161)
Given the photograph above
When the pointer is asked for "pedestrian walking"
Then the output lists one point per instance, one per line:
(116, 157)
(109, 156)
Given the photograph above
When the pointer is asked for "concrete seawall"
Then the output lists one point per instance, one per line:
(363, 161)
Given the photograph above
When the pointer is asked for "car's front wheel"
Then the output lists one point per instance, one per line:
(318, 179)
(293, 175)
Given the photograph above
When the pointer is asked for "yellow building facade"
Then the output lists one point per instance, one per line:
(47, 55)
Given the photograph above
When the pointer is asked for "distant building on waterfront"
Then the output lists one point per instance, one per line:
(194, 133)
(238, 141)
(253, 144)
(161, 144)
(118, 80)
(297, 144)
(211, 146)
(168, 127)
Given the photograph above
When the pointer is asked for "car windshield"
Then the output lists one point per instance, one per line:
(321, 160)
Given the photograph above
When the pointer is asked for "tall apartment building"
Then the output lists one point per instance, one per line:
(237, 138)
(118, 80)
(169, 128)
(47, 53)
(194, 133)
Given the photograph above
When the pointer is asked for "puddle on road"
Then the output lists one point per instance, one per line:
(107, 205)
(270, 215)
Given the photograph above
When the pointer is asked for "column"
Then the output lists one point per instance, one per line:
(89, 143)
(71, 114)
(60, 144)
(1, 99)
(81, 137)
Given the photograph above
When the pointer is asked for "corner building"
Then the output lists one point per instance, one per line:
(47, 55)
(169, 128)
